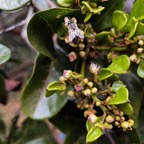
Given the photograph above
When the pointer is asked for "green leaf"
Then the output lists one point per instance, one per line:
(74, 135)
(93, 134)
(54, 87)
(5, 54)
(126, 108)
(34, 102)
(117, 85)
(68, 118)
(104, 74)
(132, 27)
(137, 10)
(89, 125)
(119, 19)
(120, 64)
(10, 5)
(103, 21)
(120, 97)
(65, 3)
(43, 25)
(135, 27)
(136, 91)
(33, 132)
(140, 69)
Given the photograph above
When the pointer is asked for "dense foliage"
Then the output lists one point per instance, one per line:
(88, 74)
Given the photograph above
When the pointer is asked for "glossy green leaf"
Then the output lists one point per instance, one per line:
(5, 54)
(68, 118)
(120, 97)
(132, 27)
(53, 87)
(34, 102)
(104, 36)
(32, 132)
(117, 85)
(93, 134)
(137, 10)
(119, 19)
(104, 74)
(65, 3)
(135, 27)
(89, 125)
(120, 64)
(104, 20)
(140, 69)
(126, 108)
(43, 25)
(10, 5)
(136, 91)
(74, 135)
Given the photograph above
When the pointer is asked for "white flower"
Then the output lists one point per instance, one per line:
(94, 68)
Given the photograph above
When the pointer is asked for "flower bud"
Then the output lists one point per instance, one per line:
(117, 118)
(67, 73)
(70, 93)
(141, 42)
(81, 46)
(139, 50)
(94, 90)
(98, 103)
(131, 122)
(109, 119)
(92, 118)
(82, 54)
(78, 87)
(85, 80)
(90, 84)
(108, 126)
(124, 124)
(116, 111)
(62, 79)
(133, 57)
(87, 92)
(72, 56)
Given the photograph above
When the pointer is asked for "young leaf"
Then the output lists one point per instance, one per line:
(132, 26)
(89, 125)
(120, 97)
(117, 85)
(104, 74)
(119, 19)
(5, 54)
(34, 102)
(93, 134)
(10, 5)
(126, 108)
(137, 10)
(140, 69)
(120, 64)
(53, 87)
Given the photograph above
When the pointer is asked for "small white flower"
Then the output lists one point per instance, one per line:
(94, 68)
